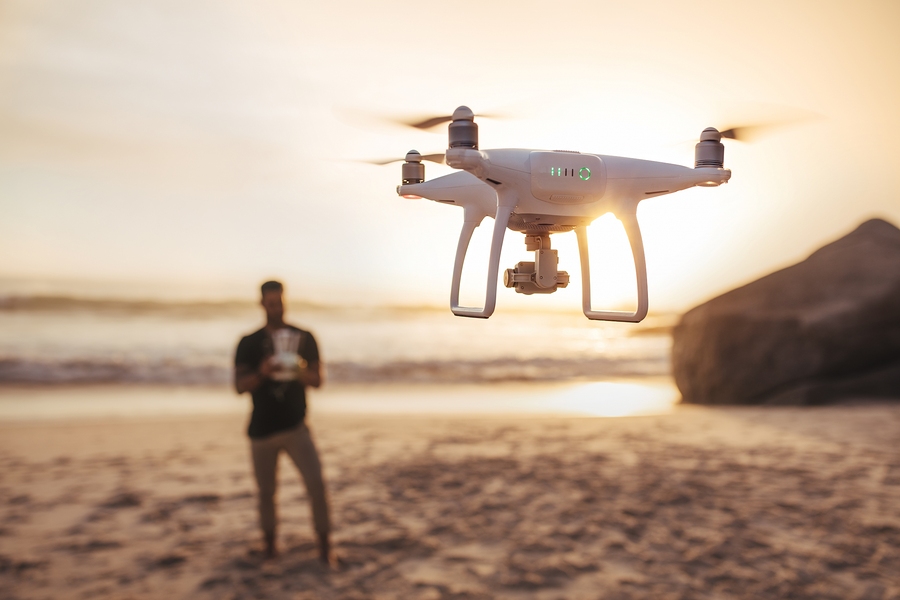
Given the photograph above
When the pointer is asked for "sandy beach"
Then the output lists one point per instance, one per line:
(695, 503)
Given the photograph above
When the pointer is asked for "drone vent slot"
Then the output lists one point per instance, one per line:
(566, 199)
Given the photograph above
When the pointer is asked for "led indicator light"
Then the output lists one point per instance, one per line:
(584, 173)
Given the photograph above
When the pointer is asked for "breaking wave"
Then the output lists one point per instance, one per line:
(62, 340)
(172, 372)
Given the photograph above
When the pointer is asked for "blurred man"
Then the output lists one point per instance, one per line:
(276, 364)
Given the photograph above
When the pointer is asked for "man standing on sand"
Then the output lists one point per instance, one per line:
(276, 364)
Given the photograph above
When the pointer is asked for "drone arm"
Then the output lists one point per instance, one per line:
(501, 220)
(629, 220)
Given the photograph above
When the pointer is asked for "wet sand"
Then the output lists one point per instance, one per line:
(696, 503)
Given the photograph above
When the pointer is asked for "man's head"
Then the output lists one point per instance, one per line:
(272, 300)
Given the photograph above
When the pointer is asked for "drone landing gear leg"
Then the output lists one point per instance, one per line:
(501, 220)
(640, 268)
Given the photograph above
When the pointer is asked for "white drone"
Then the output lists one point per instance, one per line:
(538, 192)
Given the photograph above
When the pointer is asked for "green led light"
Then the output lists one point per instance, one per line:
(555, 171)
(584, 173)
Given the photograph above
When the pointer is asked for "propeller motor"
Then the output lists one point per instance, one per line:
(463, 129)
(709, 152)
(413, 171)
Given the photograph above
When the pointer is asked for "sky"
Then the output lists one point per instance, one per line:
(152, 148)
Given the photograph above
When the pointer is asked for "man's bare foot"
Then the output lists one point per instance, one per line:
(270, 551)
(326, 556)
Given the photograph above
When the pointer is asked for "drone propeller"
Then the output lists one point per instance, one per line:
(735, 133)
(431, 122)
(743, 133)
(749, 133)
(709, 151)
(754, 131)
(435, 158)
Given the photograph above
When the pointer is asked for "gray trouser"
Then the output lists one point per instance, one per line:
(298, 444)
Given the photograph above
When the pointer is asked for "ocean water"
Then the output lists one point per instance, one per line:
(588, 399)
(61, 341)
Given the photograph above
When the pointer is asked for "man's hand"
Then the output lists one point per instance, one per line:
(311, 376)
(268, 366)
(247, 380)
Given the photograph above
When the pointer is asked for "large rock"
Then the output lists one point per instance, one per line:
(825, 329)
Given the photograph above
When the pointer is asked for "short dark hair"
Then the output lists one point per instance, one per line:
(271, 286)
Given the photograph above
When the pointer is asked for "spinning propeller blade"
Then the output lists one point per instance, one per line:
(427, 123)
(759, 121)
(777, 119)
(431, 122)
(369, 119)
(749, 133)
(435, 158)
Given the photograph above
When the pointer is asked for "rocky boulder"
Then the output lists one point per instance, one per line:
(825, 329)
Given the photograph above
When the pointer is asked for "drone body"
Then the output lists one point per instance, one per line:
(543, 192)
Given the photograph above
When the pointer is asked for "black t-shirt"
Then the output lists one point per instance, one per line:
(277, 405)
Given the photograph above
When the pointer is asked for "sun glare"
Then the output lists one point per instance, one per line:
(616, 399)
